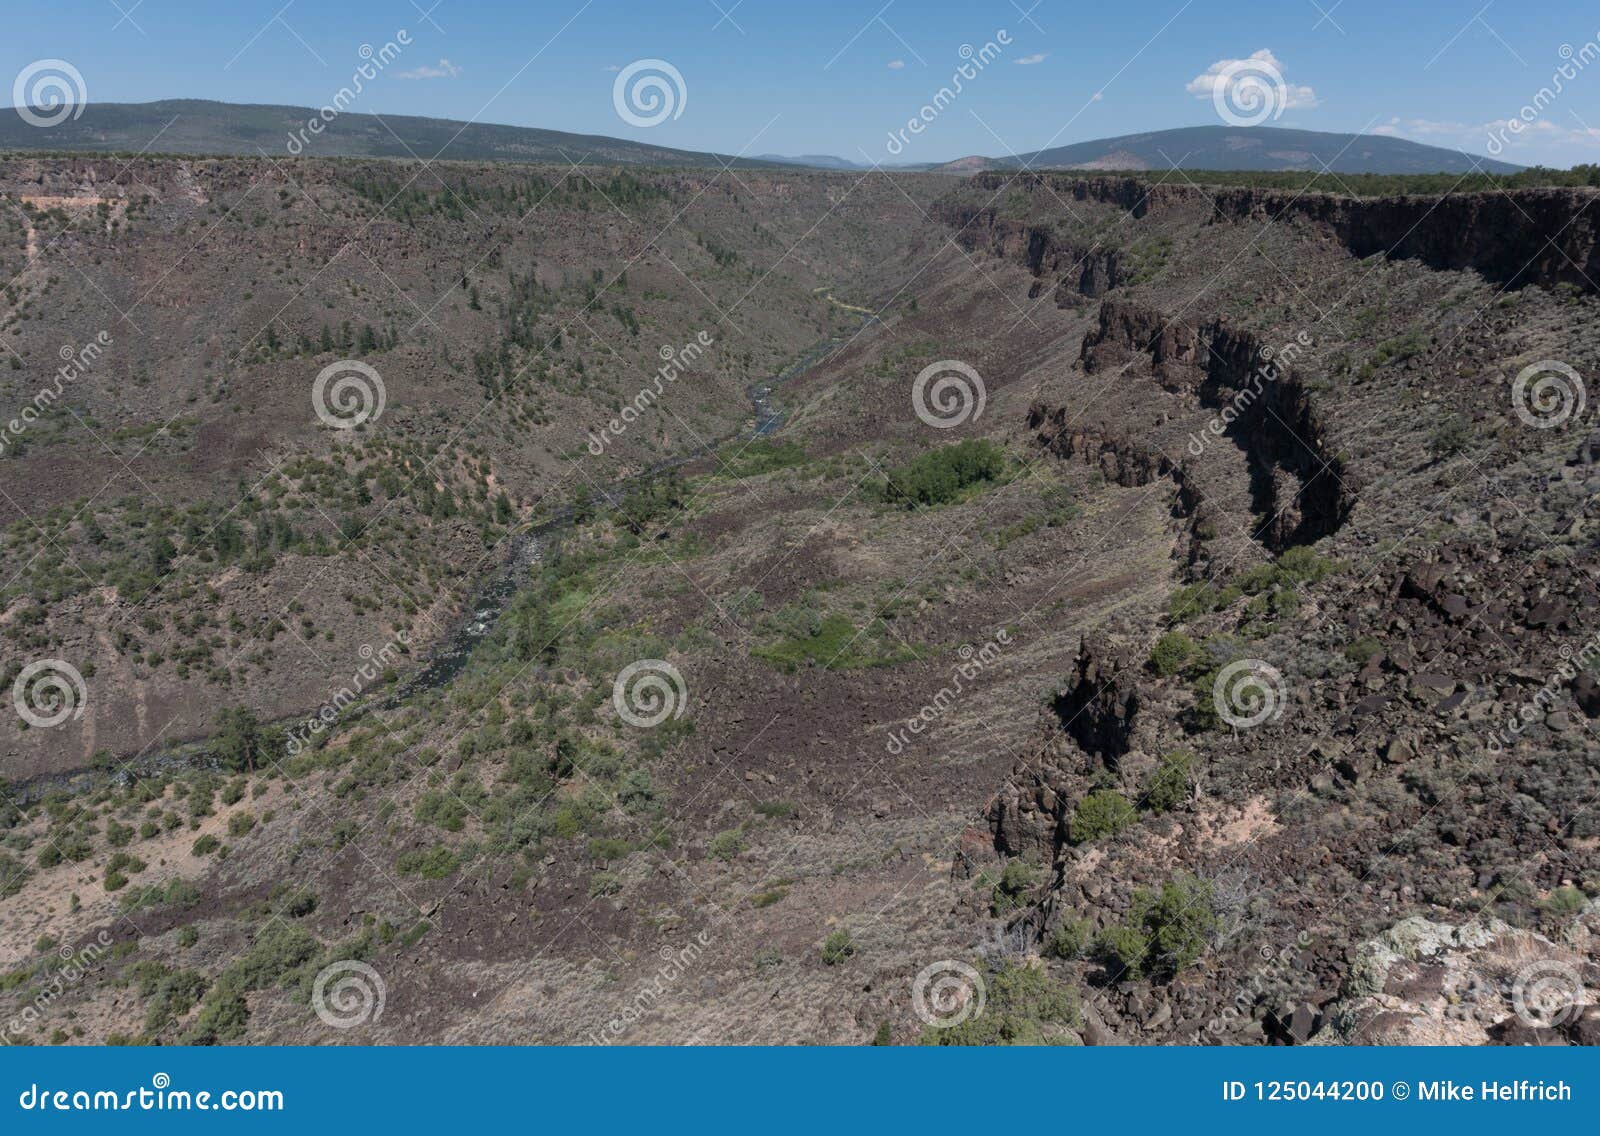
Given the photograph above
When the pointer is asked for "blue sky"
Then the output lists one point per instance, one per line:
(826, 76)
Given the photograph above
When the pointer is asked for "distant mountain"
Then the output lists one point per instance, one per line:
(200, 126)
(812, 161)
(1257, 148)
(970, 165)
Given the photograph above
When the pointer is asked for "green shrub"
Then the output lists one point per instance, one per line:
(1102, 813)
(762, 456)
(832, 641)
(436, 863)
(1565, 901)
(1167, 929)
(443, 810)
(278, 949)
(173, 995)
(205, 845)
(1123, 947)
(222, 1018)
(1200, 599)
(13, 874)
(1024, 1005)
(1450, 437)
(1016, 881)
(1172, 653)
(1361, 651)
(240, 824)
(607, 848)
(726, 845)
(119, 868)
(1168, 786)
(1070, 939)
(837, 947)
(604, 883)
(176, 892)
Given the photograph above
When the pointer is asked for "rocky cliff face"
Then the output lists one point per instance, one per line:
(1527, 236)
(1092, 728)
(1079, 270)
(1300, 487)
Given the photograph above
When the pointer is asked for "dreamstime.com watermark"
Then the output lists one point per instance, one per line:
(75, 363)
(1274, 365)
(974, 662)
(47, 692)
(47, 92)
(348, 393)
(674, 362)
(1548, 394)
(676, 963)
(74, 965)
(1543, 994)
(974, 60)
(1574, 61)
(376, 664)
(1248, 92)
(373, 64)
(948, 393)
(1248, 692)
(649, 692)
(158, 1096)
(947, 993)
(647, 92)
(348, 993)
(1275, 977)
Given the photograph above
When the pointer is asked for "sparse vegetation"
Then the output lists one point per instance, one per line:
(837, 947)
(1170, 782)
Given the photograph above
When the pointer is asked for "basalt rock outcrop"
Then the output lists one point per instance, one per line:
(1095, 716)
(1301, 489)
(1120, 458)
(1519, 237)
(1098, 706)
(1079, 270)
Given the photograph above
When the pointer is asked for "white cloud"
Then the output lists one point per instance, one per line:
(613, 67)
(897, 64)
(1524, 141)
(1030, 60)
(1422, 128)
(444, 69)
(1262, 65)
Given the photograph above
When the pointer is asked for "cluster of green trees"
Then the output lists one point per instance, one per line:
(941, 476)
